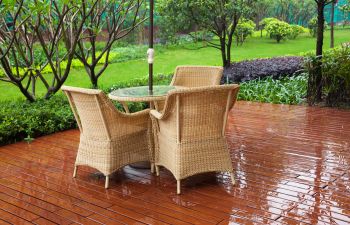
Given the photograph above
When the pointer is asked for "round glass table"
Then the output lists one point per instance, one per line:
(141, 94)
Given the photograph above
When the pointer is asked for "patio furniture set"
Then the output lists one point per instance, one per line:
(183, 130)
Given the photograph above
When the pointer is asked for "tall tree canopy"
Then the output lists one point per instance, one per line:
(219, 17)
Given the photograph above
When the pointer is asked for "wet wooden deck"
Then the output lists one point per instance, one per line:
(292, 167)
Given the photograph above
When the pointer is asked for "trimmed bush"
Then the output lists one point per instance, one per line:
(253, 69)
(23, 120)
(264, 22)
(296, 30)
(278, 30)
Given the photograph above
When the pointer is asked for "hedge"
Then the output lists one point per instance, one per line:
(21, 120)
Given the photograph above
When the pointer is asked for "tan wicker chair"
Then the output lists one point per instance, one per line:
(197, 76)
(194, 76)
(109, 139)
(190, 132)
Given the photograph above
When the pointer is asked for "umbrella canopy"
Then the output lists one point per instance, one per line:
(150, 51)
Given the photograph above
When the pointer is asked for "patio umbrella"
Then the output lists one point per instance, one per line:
(150, 51)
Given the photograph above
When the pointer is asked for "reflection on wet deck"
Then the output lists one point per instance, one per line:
(292, 167)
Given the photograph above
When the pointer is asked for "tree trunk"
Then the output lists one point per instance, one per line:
(332, 24)
(25, 92)
(225, 62)
(314, 94)
(93, 78)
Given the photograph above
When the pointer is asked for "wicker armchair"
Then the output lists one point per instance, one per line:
(190, 132)
(194, 76)
(109, 139)
(197, 76)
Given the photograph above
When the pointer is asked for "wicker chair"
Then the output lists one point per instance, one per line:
(194, 76)
(109, 139)
(197, 76)
(190, 132)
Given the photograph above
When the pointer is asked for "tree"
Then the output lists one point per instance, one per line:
(110, 20)
(294, 11)
(334, 2)
(219, 17)
(315, 79)
(345, 9)
(260, 10)
(36, 36)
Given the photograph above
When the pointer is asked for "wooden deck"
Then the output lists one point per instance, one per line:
(292, 166)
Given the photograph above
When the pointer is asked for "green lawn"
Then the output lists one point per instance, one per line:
(165, 63)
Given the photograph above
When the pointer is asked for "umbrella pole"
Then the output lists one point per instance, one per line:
(151, 50)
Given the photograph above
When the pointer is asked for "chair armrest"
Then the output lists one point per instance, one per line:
(156, 114)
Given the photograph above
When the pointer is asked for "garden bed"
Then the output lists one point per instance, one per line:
(277, 67)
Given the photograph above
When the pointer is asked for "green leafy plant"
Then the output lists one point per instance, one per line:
(288, 90)
(296, 30)
(335, 74)
(22, 120)
(312, 25)
(264, 22)
(243, 30)
(278, 30)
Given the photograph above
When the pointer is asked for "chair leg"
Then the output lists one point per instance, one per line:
(75, 171)
(107, 182)
(157, 171)
(233, 178)
(152, 167)
(178, 187)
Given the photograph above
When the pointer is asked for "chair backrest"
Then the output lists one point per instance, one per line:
(92, 110)
(197, 76)
(198, 113)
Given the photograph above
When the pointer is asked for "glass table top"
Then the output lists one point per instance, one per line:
(142, 91)
(141, 94)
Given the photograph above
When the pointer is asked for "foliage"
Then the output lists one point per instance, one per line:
(264, 22)
(243, 30)
(296, 30)
(173, 20)
(48, 25)
(278, 30)
(312, 25)
(259, 68)
(110, 20)
(335, 74)
(261, 9)
(294, 11)
(288, 90)
(219, 17)
(201, 35)
(21, 119)
(290, 11)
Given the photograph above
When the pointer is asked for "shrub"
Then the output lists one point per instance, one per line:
(278, 30)
(296, 30)
(288, 90)
(335, 75)
(312, 25)
(21, 119)
(202, 35)
(264, 22)
(259, 68)
(243, 30)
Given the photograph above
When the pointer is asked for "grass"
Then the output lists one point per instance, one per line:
(165, 63)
